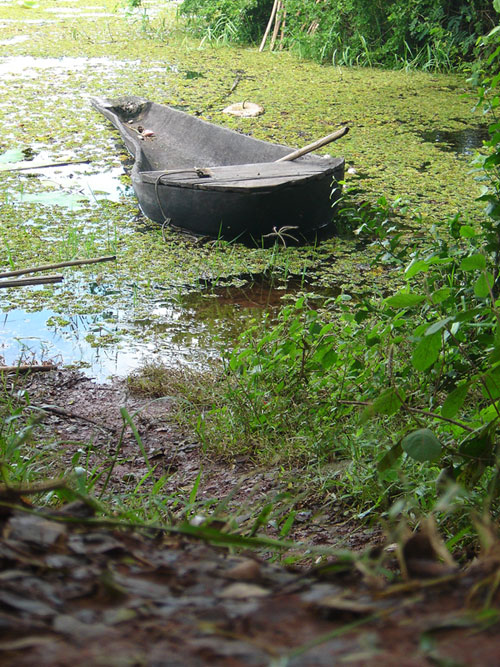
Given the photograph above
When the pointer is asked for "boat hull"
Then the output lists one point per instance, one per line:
(306, 206)
(212, 181)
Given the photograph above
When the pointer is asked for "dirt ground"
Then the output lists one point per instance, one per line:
(78, 411)
(76, 590)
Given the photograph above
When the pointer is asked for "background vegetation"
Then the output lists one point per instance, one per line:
(432, 34)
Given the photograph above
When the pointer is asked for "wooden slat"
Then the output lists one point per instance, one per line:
(245, 176)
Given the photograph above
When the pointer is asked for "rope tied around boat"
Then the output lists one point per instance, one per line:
(201, 173)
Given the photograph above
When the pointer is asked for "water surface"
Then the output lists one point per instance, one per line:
(411, 135)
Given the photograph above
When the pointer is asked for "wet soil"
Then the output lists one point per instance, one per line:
(77, 589)
(85, 418)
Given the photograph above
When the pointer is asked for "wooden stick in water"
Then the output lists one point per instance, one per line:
(42, 280)
(49, 267)
(315, 145)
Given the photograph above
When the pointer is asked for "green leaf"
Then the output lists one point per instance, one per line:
(194, 490)
(390, 457)
(405, 300)
(440, 295)
(437, 326)
(478, 447)
(468, 315)
(483, 285)
(491, 384)
(467, 232)
(287, 525)
(422, 445)
(473, 262)
(327, 328)
(416, 266)
(496, 5)
(329, 358)
(426, 352)
(388, 403)
(372, 340)
(454, 401)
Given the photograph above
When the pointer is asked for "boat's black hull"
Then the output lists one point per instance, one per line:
(301, 195)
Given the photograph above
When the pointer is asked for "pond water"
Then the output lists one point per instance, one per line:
(185, 330)
(168, 296)
(463, 142)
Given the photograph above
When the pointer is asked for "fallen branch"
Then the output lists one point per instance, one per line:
(9, 493)
(49, 267)
(32, 281)
(235, 83)
(26, 368)
(47, 166)
(59, 412)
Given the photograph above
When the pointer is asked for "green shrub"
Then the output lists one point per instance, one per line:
(234, 20)
(429, 34)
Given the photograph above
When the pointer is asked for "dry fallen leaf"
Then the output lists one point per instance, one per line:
(241, 591)
(247, 570)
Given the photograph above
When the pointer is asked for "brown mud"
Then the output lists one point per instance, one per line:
(82, 416)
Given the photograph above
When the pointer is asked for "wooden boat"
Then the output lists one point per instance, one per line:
(213, 181)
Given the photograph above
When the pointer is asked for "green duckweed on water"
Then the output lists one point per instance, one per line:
(167, 294)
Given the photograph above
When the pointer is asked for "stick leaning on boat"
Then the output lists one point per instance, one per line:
(338, 134)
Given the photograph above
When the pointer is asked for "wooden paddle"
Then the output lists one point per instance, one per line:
(316, 144)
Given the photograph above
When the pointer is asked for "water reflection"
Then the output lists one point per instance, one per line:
(101, 348)
(192, 328)
(75, 182)
(463, 142)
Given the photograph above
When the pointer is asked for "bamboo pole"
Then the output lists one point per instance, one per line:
(42, 280)
(60, 265)
(283, 24)
(32, 167)
(277, 23)
(315, 145)
(269, 24)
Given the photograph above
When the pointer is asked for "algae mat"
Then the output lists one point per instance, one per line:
(410, 138)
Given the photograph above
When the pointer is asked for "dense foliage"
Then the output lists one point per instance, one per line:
(235, 20)
(412, 380)
(434, 34)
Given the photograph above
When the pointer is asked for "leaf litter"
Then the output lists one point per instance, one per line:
(89, 595)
